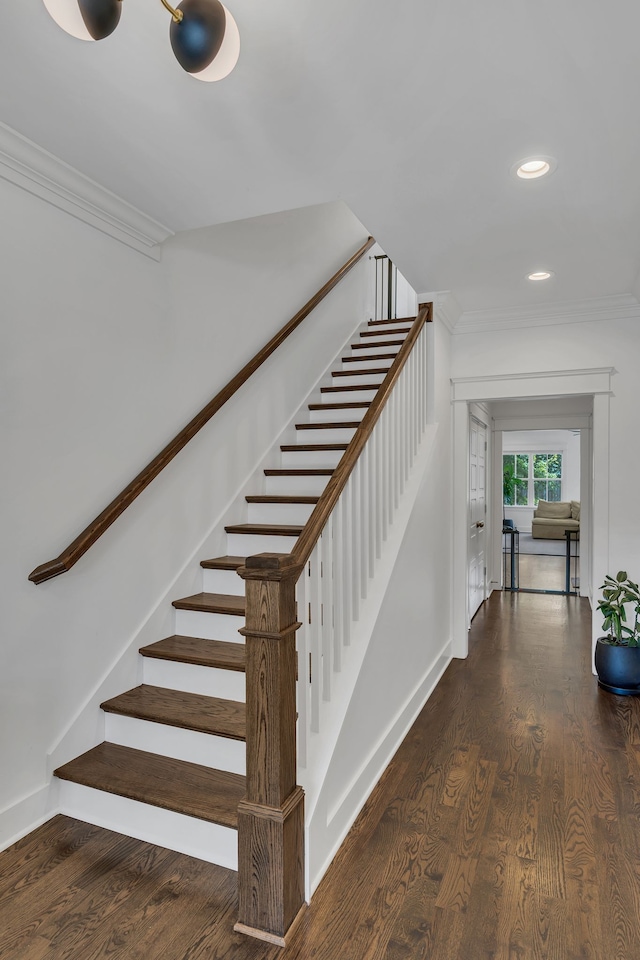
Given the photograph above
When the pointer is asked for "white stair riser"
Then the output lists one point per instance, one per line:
(326, 435)
(383, 334)
(347, 396)
(330, 416)
(295, 486)
(363, 349)
(175, 831)
(221, 753)
(359, 362)
(308, 459)
(388, 328)
(279, 513)
(246, 544)
(222, 581)
(191, 678)
(209, 626)
(354, 379)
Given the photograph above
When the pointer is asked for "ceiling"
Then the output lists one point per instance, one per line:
(413, 113)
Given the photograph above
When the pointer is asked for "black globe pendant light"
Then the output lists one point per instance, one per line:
(101, 17)
(204, 36)
(86, 19)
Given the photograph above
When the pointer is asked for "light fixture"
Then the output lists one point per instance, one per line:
(540, 275)
(203, 35)
(532, 168)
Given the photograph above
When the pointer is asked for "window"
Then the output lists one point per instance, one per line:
(529, 477)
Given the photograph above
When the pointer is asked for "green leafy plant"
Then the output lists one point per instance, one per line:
(510, 482)
(617, 595)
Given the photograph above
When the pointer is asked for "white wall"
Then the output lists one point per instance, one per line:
(410, 645)
(105, 354)
(577, 347)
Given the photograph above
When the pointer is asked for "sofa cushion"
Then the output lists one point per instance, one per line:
(554, 511)
(575, 509)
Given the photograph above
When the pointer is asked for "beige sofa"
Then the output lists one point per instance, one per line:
(551, 520)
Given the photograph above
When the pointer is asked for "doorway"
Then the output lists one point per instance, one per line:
(575, 399)
(541, 506)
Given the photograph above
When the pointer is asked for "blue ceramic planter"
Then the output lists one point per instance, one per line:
(618, 668)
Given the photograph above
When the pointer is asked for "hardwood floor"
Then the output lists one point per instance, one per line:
(506, 828)
(542, 573)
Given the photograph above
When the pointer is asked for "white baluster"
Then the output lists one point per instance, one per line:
(347, 542)
(402, 412)
(303, 647)
(384, 471)
(356, 533)
(327, 608)
(389, 465)
(379, 495)
(364, 522)
(338, 586)
(316, 649)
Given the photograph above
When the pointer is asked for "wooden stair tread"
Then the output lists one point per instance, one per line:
(359, 373)
(292, 447)
(320, 472)
(187, 788)
(335, 425)
(355, 405)
(351, 387)
(378, 343)
(190, 711)
(376, 333)
(369, 356)
(268, 529)
(204, 653)
(212, 603)
(223, 563)
(280, 498)
(378, 323)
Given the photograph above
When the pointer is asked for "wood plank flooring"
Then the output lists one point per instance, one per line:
(506, 828)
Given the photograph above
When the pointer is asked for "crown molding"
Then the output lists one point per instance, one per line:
(445, 307)
(619, 307)
(40, 173)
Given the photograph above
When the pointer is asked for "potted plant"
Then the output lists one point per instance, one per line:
(617, 656)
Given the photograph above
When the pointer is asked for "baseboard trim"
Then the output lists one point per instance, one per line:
(27, 814)
(353, 799)
(381, 754)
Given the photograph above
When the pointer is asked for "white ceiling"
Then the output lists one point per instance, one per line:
(411, 112)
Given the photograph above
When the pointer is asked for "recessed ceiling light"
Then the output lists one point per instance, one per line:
(540, 275)
(532, 168)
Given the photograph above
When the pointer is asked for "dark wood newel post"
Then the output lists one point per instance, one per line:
(271, 819)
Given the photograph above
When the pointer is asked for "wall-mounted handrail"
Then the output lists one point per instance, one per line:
(71, 554)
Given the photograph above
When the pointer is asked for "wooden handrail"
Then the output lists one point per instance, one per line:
(76, 549)
(328, 499)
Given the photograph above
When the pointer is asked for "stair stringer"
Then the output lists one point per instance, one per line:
(321, 746)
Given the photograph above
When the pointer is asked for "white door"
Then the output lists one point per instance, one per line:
(477, 514)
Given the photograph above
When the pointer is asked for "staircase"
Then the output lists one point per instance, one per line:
(172, 767)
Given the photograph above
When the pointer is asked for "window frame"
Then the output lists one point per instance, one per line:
(531, 478)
